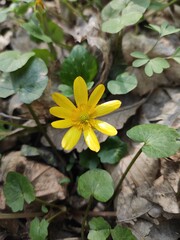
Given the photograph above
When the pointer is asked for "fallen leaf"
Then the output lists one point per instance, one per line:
(44, 178)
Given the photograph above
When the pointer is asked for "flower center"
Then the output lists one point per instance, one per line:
(84, 118)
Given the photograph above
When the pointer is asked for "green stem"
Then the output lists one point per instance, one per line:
(44, 133)
(85, 217)
(153, 46)
(62, 211)
(73, 10)
(20, 215)
(15, 125)
(126, 172)
(49, 204)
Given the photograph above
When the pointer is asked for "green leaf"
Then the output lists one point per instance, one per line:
(100, 234)
(34, 29)
(139, 62)
(156, 65)
(138, 54)
(122, 233)
(118, 14)
(112, 150)
(88, 159)
(123, 84)
(66, 90)
(38, 229)
(30, 81)
(100, 229)
(18, 189)
(44, 54)
(12, 60)
(54, 32)
(159, 140)
(79, 63)
(98, 223)
(165, 29)
(97, 183)
(6, 87)
(176, 55)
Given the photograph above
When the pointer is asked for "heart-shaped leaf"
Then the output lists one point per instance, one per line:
(6, 87)
(12, 60)
(17, 190)
(122, 233)
(30, 81)
(79, 63)
(159, 140)
(38, 229)
(97, 183)
(123, 84)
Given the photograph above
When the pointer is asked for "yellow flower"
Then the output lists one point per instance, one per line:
(82, 117)
(39, 3)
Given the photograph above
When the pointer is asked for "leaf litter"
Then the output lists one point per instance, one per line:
(148, 201)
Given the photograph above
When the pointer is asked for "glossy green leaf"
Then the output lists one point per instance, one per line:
(6, 87)
(122, 233)
(12, 60)
(38, 229)
(112, 150)
(30, 81)
(79, 63)
(156, 65)
(17, 190)
(159, 140)
(97, 183)
(118, 14)
(88, 159)
(123, 84)
(176, 55)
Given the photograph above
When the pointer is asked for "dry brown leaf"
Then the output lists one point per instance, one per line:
(5, 40)
(44, 178)
(163, 106)
(171, 171)
(162, 194)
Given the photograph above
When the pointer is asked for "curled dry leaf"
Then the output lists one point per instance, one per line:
(44, 178)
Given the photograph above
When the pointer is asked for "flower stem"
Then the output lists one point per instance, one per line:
(126, 172)
(44, 133)
(85, 217)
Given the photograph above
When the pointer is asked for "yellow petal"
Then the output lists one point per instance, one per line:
(96, 95)
(60, 112)
(104, 127)
(91, 139)
(80, 91)
(63, 101)
(62, 123)
(106, 108)
(71, 138)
